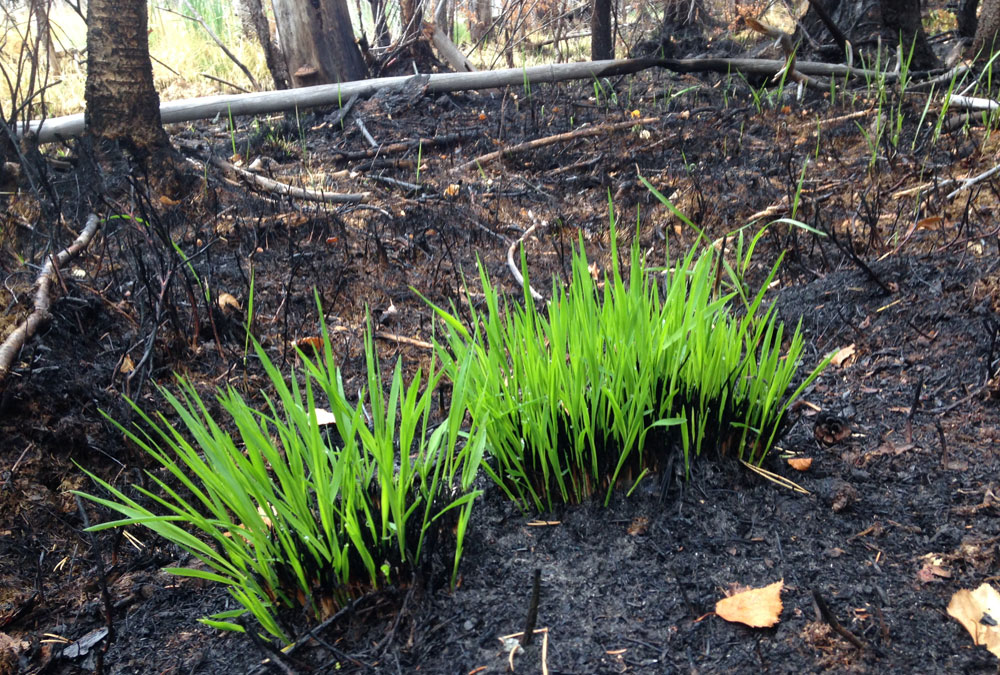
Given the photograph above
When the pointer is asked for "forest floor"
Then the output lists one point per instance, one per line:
(901, 511)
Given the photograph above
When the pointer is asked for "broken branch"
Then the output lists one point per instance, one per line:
(41, 315)
(291, 191)
(557, 138)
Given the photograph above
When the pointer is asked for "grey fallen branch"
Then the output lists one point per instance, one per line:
(291, 191)
(42, 314)
(557, 138)
(974, 103)
(264, 102)
(969, 182)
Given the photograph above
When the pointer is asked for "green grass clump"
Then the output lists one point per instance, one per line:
(614, 380)
(288, 514)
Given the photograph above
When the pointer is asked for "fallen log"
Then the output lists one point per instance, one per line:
(259, 103)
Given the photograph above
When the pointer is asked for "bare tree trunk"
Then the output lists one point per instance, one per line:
(253, 20)
(121, 101)
(41, 9)
(441, 17)
(602, 46)
(484, 19)
(317, 41)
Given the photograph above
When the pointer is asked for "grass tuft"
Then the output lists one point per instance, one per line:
(289, 514)
(622, 374)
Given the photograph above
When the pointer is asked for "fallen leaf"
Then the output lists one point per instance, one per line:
(225, 300)
(638, 526)
(800, 463)
(312, 341)
(843, 355)
(756, 607)
(979, 612)
(930, 223)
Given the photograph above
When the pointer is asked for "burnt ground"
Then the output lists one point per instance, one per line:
(901, 512)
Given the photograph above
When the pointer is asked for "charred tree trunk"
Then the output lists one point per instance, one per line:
(382, 38)
(411, 14)
(121, 101)
(901, 22)
(985, 42)
(441, 17)
(966, 18)
(317, 41)
(602, 46)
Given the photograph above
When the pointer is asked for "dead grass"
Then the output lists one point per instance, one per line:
(182, 53)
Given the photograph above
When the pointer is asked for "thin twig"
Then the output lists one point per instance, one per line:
(109, 618)
(275, 656)
(830, 619)
(529, 622)
(225, 82)
(392, 337)
(364, 132)
(513, 268)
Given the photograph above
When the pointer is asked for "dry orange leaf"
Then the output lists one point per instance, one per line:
(756, 607)
(930, 223)
(312, 341)
(979, 612)
(843, 355)
(800, 463)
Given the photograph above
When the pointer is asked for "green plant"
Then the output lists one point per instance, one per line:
(232, 130)
(617, 379)
(287, 513)
(248, 328)
(420, 158)
(945, 106)
(873, 137)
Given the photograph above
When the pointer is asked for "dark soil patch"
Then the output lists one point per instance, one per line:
(900, 515)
